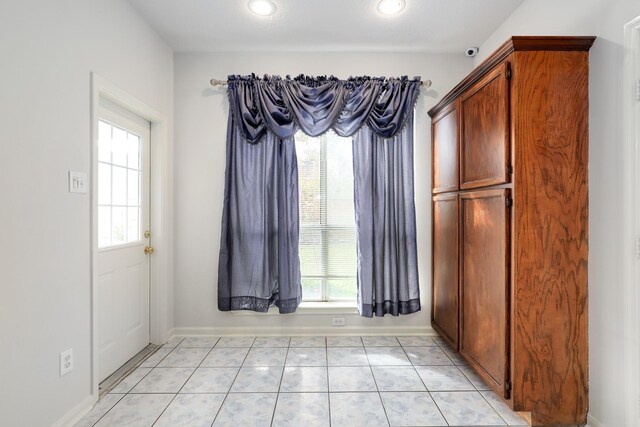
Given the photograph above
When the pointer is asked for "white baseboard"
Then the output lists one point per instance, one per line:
(75, 414)
(593, 422)
(305, 331)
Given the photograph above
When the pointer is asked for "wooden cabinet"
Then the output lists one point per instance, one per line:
(484, 158)
(445, 131)
(515, 301)
(445, 267)
(484, 266)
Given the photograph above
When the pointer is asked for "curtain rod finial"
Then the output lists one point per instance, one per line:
(216, 82)
(426, 83)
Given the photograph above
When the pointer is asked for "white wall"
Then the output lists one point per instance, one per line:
(200, 123)
(604, 19)
(48, 50)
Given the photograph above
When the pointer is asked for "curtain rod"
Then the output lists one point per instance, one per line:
(216, 82)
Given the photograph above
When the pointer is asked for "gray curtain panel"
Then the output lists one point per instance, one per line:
(259, 264)
(386, 223)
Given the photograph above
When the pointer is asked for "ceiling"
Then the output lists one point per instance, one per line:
(325, 25)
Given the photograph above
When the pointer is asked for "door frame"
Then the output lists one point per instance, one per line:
(631, 203)
(160, 215)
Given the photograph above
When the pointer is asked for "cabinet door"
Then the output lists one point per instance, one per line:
(484, 317)
(444, 316)
(445, 131)
(485, 131)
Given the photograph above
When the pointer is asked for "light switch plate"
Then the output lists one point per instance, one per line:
(77, 182)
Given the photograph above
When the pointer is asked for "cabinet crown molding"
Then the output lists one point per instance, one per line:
(514, 44)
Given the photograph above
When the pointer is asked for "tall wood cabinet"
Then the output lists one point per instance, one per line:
(510, 210)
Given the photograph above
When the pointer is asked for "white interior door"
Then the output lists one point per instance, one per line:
(122, 240)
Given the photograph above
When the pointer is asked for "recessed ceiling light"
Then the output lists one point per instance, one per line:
(391, 7)
(262, 7)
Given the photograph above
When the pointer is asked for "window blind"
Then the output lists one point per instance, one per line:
(327, 218)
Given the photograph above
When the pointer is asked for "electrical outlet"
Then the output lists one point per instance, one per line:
(66, 362)
(337, 321)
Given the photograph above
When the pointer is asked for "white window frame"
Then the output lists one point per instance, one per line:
(324, 230)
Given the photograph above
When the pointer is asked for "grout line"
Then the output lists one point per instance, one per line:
(284, 363)
(128, 370)
(107, 411)
(326, 354)
(232, 382)
(137, 382)
(375, 381)
(492, 407)
(123, 394)
(438, 407)
(425, 386)
(316, 392)
(383, 408)
(373, 375)
(185, 383)
(162, 358)
(123, 378)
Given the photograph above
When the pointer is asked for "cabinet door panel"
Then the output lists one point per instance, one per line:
(445, 131)
(485, 131)
(445, 267)
(484, 285)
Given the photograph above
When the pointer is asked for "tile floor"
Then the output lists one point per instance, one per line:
(302, 381)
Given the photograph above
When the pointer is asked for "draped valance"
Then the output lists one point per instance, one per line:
(316, 104)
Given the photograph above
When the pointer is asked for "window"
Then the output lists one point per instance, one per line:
(119, 186)
(327, 219)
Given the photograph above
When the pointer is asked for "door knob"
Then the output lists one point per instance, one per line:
(148, 250)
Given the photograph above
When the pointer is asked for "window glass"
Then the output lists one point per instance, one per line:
(327, 219)
(119, 189)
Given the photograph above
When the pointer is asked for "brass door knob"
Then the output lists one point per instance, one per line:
(148, 250)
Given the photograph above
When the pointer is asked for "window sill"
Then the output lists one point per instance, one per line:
(306, 308)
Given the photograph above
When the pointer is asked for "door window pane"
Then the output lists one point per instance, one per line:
(133, 224)
(119, 186)
(104, 142)
(119, 147)
(118, 225)
(133, 151)
(104, 226)
(119, 189)
(104, 184)
(133, 192)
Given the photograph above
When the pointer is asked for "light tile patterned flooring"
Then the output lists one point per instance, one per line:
(302, 382)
